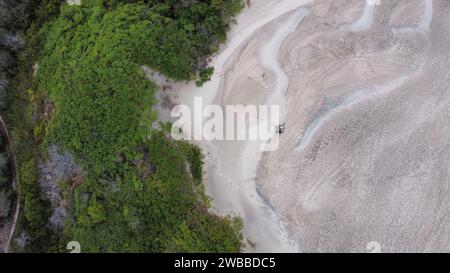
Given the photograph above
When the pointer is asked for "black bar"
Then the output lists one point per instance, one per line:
(275, 262)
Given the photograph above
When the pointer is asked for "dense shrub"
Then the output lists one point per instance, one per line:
(136, 193)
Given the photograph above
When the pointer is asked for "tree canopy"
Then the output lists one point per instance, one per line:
(137, 193)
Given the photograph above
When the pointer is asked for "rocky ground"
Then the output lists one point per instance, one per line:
(53, 175)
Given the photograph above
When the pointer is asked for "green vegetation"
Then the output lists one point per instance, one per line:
(18, 112)
(205, 75)
(23, 105)
(195, 159)
(139, 190)
(149, 211)
(35, 210)
(6, 194)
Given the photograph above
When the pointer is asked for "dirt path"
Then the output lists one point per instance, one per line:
(8, 231)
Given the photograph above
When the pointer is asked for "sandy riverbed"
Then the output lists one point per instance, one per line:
(364, 92)
(231, 171)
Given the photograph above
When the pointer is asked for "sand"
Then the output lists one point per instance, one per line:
(367, 148)
(364, 91)
(230, 170)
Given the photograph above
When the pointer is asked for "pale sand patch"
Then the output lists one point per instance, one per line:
(230, 171)
(367, 107)
(368, 112)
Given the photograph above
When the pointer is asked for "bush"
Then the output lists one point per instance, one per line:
(205, 75)
(136, 195)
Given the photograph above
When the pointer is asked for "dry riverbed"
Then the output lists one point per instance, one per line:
(364, 90)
